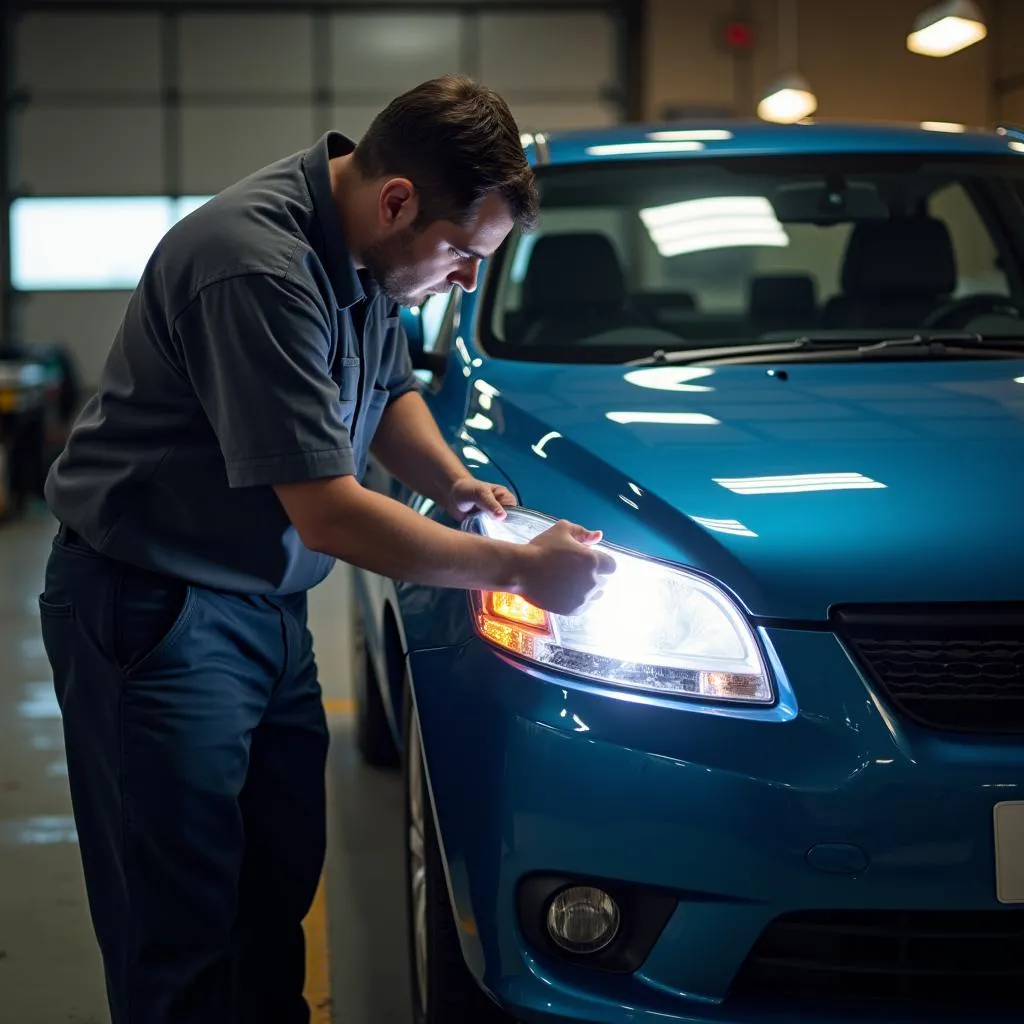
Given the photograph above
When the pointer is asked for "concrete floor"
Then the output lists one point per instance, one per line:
(50, 970)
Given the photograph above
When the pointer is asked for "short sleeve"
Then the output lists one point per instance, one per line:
(400, 377)
(257, 349)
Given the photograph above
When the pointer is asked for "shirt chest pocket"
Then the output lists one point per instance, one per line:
(348, 378)
(362, 401)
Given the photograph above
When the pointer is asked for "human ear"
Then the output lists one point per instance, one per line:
(398, 204)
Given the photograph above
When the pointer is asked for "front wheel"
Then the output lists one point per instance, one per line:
(443, 990)
(373, 732)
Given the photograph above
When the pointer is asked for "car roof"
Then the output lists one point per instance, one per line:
(689, 139)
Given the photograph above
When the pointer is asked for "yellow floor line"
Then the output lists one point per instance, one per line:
(318, 971)
(339, 706)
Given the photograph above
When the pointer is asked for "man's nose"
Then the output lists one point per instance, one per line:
(466, 276)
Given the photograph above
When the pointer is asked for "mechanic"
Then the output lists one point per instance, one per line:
(210, 483)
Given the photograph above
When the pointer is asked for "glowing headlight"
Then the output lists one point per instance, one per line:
(656, 627)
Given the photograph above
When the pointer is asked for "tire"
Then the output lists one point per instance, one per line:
(374, 739)
(443, 990)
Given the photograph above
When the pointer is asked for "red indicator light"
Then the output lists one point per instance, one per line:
(739, 35)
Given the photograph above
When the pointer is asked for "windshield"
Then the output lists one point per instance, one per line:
(632, 258)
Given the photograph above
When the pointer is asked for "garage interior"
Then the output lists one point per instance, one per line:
(119, 118)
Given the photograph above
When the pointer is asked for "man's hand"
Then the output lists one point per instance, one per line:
(468, 495)
(565, 574)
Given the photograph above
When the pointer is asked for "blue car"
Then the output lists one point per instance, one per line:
(776, 772)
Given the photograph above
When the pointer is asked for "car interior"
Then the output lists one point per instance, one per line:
(591, 277)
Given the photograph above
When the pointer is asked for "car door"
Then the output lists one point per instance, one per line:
(438, 318)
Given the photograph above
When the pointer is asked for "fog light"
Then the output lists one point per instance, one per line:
(583, 919)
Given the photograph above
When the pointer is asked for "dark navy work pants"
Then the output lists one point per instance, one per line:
(196, 745)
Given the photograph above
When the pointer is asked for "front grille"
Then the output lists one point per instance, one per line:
(900, 957)
(947, 667)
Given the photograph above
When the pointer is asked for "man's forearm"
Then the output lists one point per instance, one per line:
(410, 446)
(376, 533)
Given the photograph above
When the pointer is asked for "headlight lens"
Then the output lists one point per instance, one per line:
(656, 627)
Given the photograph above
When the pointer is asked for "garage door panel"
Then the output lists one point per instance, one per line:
(222, 144)
(256, 53)
(94, 151)
(556, 52)
(122, 52)
(389, 53)
(352, 120)
(85, 322)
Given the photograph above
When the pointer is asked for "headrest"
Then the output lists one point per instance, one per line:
(908, 255)
(782, 295)
(578, 269)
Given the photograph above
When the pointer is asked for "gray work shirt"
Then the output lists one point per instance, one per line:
(252, 353)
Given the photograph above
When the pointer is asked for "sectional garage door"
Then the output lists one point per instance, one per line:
(165, 105)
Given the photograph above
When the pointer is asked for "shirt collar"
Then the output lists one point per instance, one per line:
(345, 281)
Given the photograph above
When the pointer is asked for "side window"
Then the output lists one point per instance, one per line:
(440, 321)
(977, 260)
(449, 322)
(432, 315)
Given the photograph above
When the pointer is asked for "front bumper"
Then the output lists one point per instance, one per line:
(824, 802)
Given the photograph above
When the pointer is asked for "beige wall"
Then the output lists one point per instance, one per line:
(854, 55)
(1010, 55)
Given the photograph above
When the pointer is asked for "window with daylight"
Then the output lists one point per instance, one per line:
(94, 243)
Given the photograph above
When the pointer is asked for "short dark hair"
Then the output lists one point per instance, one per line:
(457, 141)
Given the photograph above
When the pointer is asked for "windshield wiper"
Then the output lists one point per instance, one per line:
(856, 343)
(941, 342)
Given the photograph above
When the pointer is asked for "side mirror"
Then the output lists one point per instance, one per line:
(412, 323)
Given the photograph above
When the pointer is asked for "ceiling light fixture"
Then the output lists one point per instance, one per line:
(947, 28)
(790, 98)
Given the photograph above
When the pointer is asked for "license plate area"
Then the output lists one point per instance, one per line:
(1009, 841)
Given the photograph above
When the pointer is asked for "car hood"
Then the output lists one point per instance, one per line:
(799, 487)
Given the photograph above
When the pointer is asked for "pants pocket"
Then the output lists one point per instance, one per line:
(150, 611)
(49, 609)
(57, 628)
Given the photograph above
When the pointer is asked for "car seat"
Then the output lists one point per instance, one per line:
(574, 287)
(894, 273)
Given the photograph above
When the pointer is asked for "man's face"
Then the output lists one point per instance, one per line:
(412, 263)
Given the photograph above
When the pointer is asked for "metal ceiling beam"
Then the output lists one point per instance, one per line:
(308, 6)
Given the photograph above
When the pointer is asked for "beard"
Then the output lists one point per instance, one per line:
(391, 264)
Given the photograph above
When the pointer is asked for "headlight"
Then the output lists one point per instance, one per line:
(656, 627)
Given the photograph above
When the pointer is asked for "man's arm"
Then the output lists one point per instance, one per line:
(411, 447)
(559, 570)
(285, 430)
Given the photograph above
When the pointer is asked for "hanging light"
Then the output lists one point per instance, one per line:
(946, 28)
(790, 98)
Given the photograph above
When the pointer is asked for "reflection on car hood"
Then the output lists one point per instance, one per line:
(799, 488)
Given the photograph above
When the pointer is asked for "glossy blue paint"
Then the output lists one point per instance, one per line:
(534, 772)
(926, 442)
(758, 138)
(828, 799)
